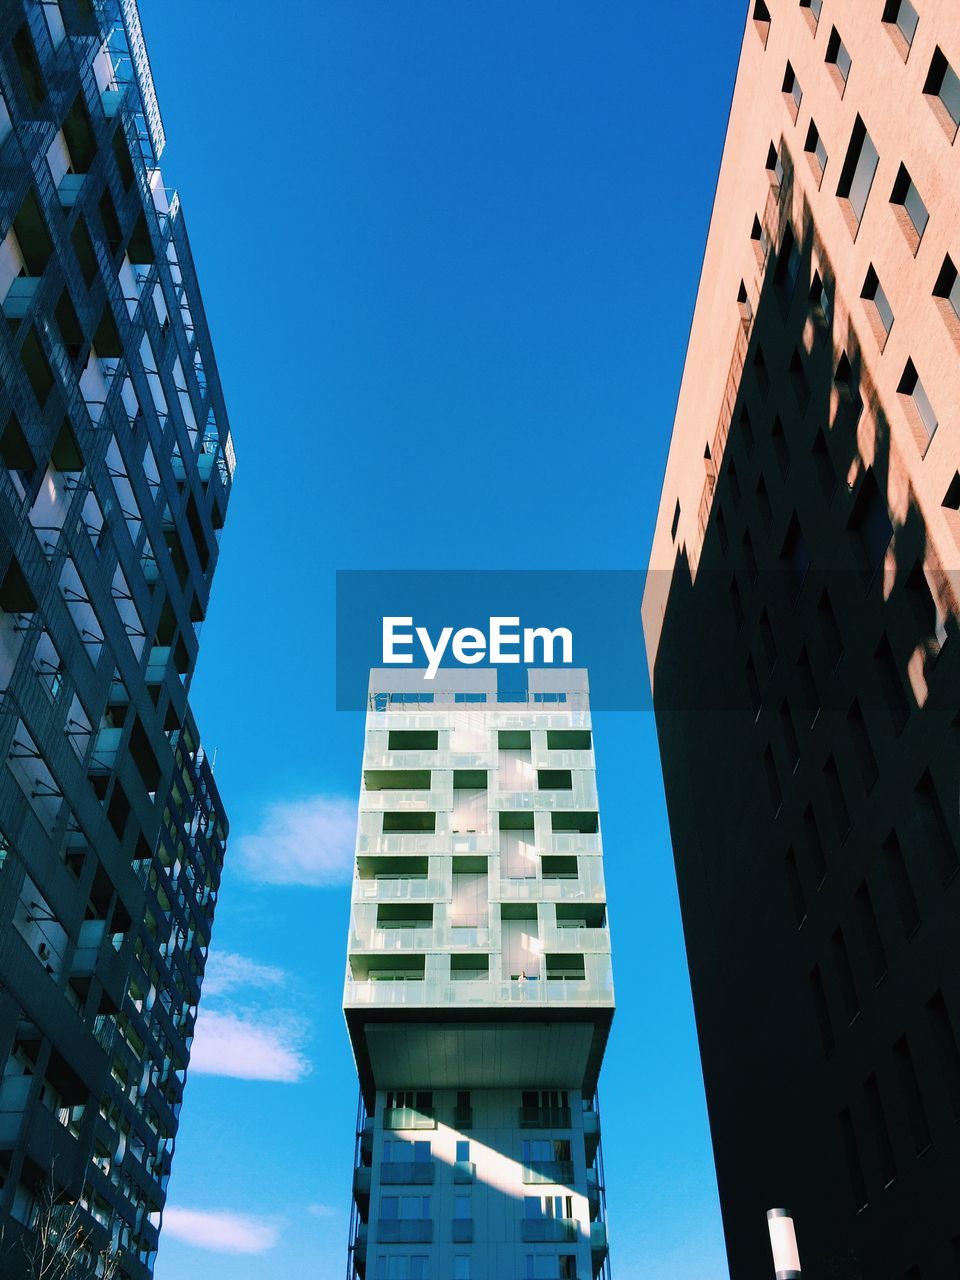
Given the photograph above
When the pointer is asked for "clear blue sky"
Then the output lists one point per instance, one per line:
(449, 252)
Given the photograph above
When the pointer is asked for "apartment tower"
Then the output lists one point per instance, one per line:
(801, 627)
(115, 476)
(478, 992)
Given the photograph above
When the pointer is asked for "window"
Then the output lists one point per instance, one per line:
(789, 734)
(822, 1011)
(823, 464)
(744, 305)
(871, 932)
(862, 748)
(848, 1137)
(461, 1267)
(821, 301)
(792, 93)
(838, 60)
(812, 10)
(761, 241)
(829, 631)
(948, 1051)
(736, 603)
(877, 306)
(848, 387)
(917, 407)
(910, 1093)
(808, 689)
(838, 802)
(881, 1134)
(767, 642)
(891, 685)
(761, 20)
(763, 502)
(899, 878)
(909, 210)
(676, 523)
(775, 167)
(942, 90)
(901, 18)
(814, 845)
(788, 264)
(781, 450)
(848, 988)
(856, 178)
(399, 1266)
(798, 380)
(816, 152)
(939, 838)
(795, 557)
(461, 1208)
(773, 781)
(946, 292)
(749, 558)
(796, 887)
(870, 524)
(761, 374)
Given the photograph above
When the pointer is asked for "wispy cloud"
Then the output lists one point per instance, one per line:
(308, 841)
(249, 1047)
(322, 1211)
(221, 1232)
(226, 971)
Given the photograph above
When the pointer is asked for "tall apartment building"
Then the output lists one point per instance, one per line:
(801, 625)
(478, 992)
(115, 477)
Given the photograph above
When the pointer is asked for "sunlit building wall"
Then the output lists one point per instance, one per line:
(479, 991)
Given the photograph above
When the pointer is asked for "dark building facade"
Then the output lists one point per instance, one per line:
(115, 478)
(801, 624)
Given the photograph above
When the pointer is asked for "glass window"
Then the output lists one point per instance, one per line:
(944, 84)
(859, 170)
(421, 1152)
(463, 1151)
(838, 57)
(461, 1267)
(461, 1207)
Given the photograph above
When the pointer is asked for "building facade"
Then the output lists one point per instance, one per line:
(478, 992)
(801, 625)
(115, 477)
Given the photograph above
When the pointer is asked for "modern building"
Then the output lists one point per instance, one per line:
(801, 626)
(115, 477)
(478, 992)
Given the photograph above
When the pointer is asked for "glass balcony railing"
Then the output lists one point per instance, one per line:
(549, 1230)
(549, 1172)
(595, 988)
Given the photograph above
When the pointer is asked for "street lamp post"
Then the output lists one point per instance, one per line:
(783, 1243)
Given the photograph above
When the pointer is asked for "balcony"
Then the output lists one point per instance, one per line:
(361, 1188)
(405, 1231)
(419, 1173)
(464, 1171)
(598, 1243)
(462, 1230)
(401, 887)
(408, 1118)
(549, 1230)
(413, 991)
(463, 1118)
(549, 1172)
(591, 1134)
(545, 1118)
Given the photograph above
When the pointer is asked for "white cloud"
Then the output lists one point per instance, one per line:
(307, 841)
(248, 1048)
(226, 970)
(322, 1211)
(220, 1232)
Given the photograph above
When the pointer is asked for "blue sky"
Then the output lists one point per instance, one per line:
(449, 253)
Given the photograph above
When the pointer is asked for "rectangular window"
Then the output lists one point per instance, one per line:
(856, 177)
(788, 264)
(946, 293)
(848, 987)
(881, 1134)
(461, 1267)
(792, 93)
(848, 1137)
(821, 301)
(812, 10)
(822, 1011)
(838, 60)
(461, 1208)
(870, 524)
(891, 685)
(900, 885)
(942, 90)
(871, 932)
(816, 152)
(940, 836)
(909, 209)
(945, 1040)
(901, 18)
(814, 845)
(877, 306)
(775, 167)
(911, 1095)
(917, 407)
